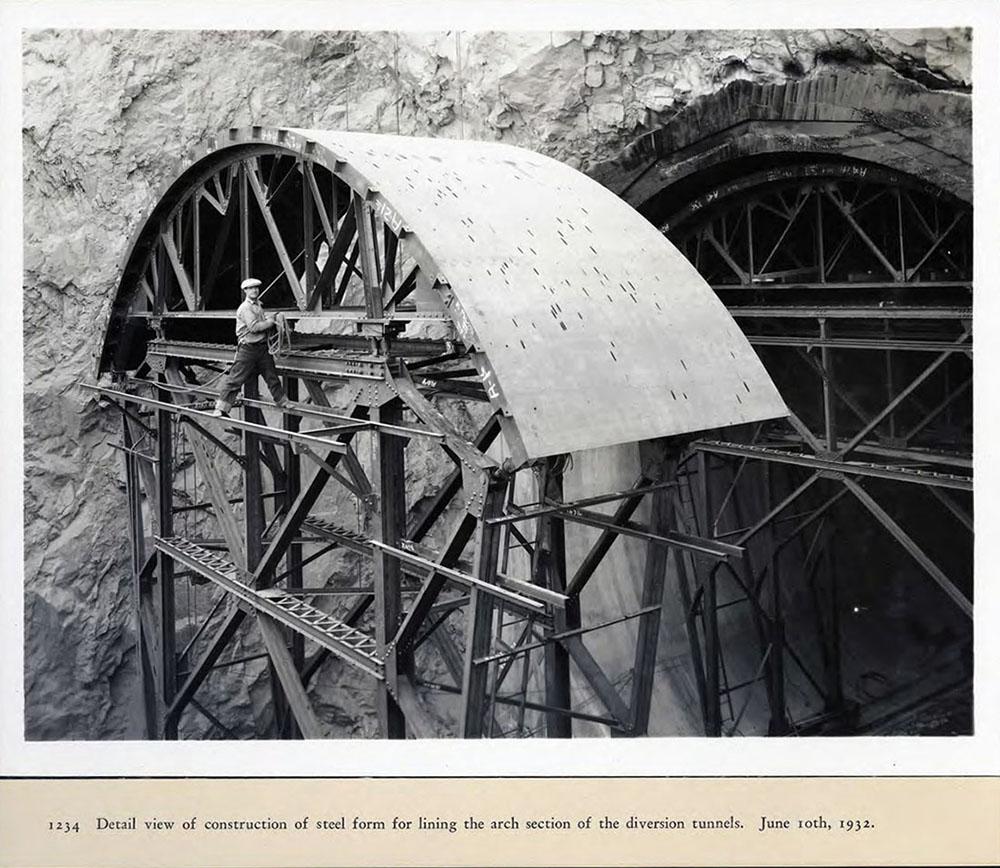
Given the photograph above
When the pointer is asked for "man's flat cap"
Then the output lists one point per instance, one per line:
(249, 283)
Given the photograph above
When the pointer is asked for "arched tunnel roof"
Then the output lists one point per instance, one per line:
(598, 331)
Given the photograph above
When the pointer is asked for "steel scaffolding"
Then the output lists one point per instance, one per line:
(493, 602)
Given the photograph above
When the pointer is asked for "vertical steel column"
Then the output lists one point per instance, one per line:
(309, 258)
(644, 668)
(293, 561)
(820, 247)
(709, 609)
(254, 523)
(778, 724)
(330, 288)
(253, 503)
(549, 570)
(829, 420)
(368, 258)
(889, 383)
(244, 201)
(389, 525)
(479, 625)
(165, 510)
(902, 247)
(137, 539)
(757, 493)
(683, 562)
(657, 464)
(199, 303)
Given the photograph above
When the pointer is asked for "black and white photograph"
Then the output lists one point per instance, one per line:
(592, 378)
(502, 384)
(454, 382)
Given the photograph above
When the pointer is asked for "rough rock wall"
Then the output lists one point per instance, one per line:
(106, 113)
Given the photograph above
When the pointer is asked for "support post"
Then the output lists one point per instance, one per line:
(685, 568)
(661, 521)
(255, 521)
(138, 553)
(778, 724)
(709, 612)
(244, 203)
(889, 373)
(753, 581)
(309, 272)
(389, 527)
(293, 561)
(164, 510)
(829, 424)
(196, 250)
(480, 613)
(549, 570)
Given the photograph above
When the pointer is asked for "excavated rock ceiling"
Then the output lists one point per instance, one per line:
(106, 115)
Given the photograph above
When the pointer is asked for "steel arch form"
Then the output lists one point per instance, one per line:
(633, 346)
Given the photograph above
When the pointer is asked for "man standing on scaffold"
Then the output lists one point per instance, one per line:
(253, 356)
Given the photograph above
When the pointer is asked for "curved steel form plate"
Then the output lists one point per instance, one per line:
(592, 329)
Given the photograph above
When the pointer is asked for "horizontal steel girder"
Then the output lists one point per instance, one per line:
(850, 468)
(865, 312)
(322, 363)
(343, 313)
(909, 454)
(509, 597)
(340, 422)
(204, 416)
(888, 285)
(695, 544)
(912, 345)
(551, 508)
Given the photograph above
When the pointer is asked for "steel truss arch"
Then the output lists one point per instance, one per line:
(854, 283)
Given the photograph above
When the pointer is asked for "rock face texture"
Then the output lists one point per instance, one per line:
(106, 115)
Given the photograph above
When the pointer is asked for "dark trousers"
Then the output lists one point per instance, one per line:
(251, 360)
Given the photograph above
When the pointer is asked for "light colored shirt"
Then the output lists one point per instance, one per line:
(250, 319)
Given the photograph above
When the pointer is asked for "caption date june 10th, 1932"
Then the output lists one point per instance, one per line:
(471, 824)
